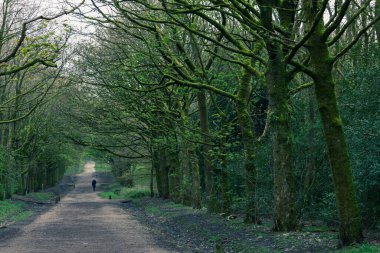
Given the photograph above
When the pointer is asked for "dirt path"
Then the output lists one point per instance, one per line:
(83, 222)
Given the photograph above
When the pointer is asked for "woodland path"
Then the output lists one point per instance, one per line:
(83, 222)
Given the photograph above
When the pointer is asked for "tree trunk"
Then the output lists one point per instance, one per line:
(310, 163)
(156, 167)
(174, 180)
(349, 216)
(285, 214)
(152, 180)
(225, 185)
(186, 185)
(164, 174)
(208, 170)
(196, 178)
(246, 128)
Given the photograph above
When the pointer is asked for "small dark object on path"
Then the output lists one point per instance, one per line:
(125, 201)
(109, 197)
(93, 184)
(57, 199)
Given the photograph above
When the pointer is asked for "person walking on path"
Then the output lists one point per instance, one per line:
(93, 184)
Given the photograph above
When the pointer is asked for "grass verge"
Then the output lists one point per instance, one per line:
(116, 191)
(41, 196)
(12, 211)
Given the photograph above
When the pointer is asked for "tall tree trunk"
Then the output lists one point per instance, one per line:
(349, 216)
(208, 169)
(285, 214)
(185, 167)
(151, 185)
(225, 185)
(164, 173)
(310, 163)
(246, 128)
(185, 157)
(156, 167)
(196, 178)
(174, 179)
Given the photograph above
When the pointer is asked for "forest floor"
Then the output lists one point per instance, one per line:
(194, 230)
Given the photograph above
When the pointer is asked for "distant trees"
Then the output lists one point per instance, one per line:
(29, 48)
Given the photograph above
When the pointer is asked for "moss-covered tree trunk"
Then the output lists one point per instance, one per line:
(196, 178)
(285, 214)
(349, 216)
(164, 173)
(156, 168)
(225, 185)
(350, 229)
(185, 157)
(186, 183)
(246, 128)
(151, 184)
(310, 162)
(208, 169)
(173, 172)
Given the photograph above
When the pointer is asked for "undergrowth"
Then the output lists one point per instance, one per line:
(41, 196)
(11, 210)
(118, 192)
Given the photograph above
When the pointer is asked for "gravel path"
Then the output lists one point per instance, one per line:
(83, 222)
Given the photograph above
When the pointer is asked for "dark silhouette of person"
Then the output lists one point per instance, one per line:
(93, 184)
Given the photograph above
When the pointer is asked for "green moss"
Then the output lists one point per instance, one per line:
(282, 118)
(338, 121)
